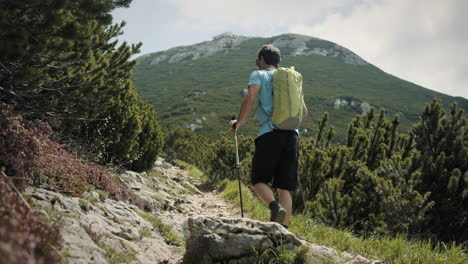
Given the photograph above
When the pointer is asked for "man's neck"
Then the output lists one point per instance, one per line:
(268, 66)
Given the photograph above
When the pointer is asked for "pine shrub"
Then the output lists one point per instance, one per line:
(441, 154)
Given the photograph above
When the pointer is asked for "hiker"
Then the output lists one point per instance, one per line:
(276, 151)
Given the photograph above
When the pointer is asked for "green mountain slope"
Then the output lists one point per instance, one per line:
(200, 85)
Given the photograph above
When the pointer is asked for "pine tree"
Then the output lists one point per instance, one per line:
(314, 166)
(315, 162)
(331, 206)
(404, 208)
(441, 141)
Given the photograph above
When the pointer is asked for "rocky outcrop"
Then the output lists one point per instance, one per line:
(220, 43)
(92, 230)
(224, 240)
(361, 107)
(300, 45)
(290, 44)
(235, 240)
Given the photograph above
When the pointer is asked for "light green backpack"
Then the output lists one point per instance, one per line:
(288, 99)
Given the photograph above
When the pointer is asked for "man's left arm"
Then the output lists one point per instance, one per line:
(246, 107)
(305, 112)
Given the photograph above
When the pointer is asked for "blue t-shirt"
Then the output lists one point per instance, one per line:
(264, 79)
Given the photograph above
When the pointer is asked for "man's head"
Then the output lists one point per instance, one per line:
(270, 54)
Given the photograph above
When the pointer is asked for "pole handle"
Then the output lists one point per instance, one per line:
(234, 118)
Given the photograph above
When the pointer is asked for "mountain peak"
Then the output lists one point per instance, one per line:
(290, 45)
(223, 35)
(301, 45)
(220, 43)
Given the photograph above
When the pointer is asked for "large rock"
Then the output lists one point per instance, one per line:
(80, 248)
(234, 240)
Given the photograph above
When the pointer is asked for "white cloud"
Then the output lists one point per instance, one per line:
(250, 15)
(420, 41)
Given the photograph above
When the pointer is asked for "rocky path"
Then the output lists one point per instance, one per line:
(96, 229)
(198, 201)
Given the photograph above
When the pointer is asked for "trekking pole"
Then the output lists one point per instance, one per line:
(238, 166)
(302, 192)
(299, 181)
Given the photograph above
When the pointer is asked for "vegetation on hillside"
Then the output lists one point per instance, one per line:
(381, 182)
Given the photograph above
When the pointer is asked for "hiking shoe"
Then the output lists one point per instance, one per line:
(278, 213)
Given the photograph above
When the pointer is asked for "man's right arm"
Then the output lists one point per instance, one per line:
(246, 106)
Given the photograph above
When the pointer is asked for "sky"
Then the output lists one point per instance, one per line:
(421, 41)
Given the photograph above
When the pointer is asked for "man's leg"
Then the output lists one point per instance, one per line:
(264, 193)
(285, 200)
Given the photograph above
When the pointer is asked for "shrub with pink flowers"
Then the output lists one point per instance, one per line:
(24, 236)
(30, 157)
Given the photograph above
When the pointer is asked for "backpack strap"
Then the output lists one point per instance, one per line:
(272, 89)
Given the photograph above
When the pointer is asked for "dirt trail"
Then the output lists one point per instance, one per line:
(201, 201)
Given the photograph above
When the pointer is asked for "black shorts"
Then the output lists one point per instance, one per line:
(275, 159)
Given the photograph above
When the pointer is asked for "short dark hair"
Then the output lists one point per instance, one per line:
(271, 54)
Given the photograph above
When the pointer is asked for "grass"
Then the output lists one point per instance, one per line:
(156, 174)
(165, 230)
(281, 255)
(192, 170)
(84, 205)
(189, 188)
(102, 195)
(90, 187)
(92, 200)
(158, 198)
(397, 249)
(115, 257)
(145, 232)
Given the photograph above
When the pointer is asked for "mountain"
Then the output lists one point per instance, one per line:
(201, 86)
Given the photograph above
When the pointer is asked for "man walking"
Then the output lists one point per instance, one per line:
(275, 158)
